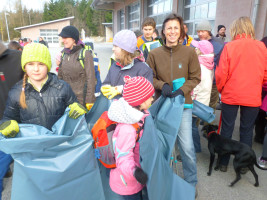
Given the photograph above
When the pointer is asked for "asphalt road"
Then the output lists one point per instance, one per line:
(214, 187)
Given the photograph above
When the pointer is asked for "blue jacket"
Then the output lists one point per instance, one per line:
(137, 68)
(44, 107)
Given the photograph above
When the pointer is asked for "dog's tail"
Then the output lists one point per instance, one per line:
(257, 165)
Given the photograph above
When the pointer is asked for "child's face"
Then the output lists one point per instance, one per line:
(36, 71)
(148, 32)
(117, 52)
(146, 104)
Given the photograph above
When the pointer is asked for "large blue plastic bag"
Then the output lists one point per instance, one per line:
(57, 164)
(156, 144)
(101, 105)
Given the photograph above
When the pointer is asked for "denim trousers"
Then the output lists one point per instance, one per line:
(186, 147)
(248, 116)
(137, 196)
(5, 161)
(195, 134)
(264, 151)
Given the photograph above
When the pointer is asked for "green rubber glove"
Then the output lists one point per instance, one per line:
(76, 110)
(9, 128)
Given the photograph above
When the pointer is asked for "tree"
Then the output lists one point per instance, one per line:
(85, 17)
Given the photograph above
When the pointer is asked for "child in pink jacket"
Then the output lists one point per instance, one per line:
(128, 178)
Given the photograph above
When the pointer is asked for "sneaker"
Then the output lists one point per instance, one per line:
(262, 163)
(223, 168)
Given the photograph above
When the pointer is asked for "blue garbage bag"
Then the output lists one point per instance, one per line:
(57, 164)
(101, 105)
(156, 144)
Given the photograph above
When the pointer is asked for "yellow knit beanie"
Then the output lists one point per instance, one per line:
(36, 52)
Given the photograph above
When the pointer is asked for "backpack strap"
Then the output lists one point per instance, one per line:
(138, 129)
(62, 57)
(82, 56)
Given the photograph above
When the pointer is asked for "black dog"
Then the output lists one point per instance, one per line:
(244, 155)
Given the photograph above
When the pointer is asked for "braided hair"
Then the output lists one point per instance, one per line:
(22, 99)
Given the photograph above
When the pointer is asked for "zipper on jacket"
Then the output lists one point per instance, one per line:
(171, 67)
(42, 110)
(118, 78)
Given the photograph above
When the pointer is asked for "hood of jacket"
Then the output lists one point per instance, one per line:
(3, 48)
(120, 111)
(207, 60)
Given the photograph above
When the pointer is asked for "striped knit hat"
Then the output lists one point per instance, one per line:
(36, 52)
(137, 90)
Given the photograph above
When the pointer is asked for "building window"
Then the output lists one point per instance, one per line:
(134, 16)
(121, 17)
(159, 9)
(197, 10)
(50, 35)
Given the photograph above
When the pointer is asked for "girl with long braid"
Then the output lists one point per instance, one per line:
(40, 98)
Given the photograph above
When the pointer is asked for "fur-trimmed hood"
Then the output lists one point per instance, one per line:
(120, 111)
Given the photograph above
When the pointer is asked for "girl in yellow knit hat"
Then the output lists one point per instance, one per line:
(40, 98)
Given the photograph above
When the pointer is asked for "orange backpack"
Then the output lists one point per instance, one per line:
(102, 134)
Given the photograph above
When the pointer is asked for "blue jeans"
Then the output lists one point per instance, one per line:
(195, 134)
(186, 147)
(137, 196)
(5, 161)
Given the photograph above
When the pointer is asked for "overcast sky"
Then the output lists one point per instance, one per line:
(34, 4)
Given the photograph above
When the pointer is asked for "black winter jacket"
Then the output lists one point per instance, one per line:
(44, 107)
(10, 73)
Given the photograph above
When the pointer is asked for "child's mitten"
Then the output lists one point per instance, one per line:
(140, 175)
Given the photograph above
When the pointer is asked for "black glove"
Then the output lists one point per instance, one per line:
(166, 90)
(177, 92)
(140, 175)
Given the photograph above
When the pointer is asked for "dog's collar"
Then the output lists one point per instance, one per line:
(211, 133)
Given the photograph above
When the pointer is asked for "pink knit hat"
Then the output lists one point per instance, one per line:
(204, 46)
(137, 90)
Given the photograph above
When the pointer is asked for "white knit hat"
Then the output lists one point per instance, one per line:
(204, 25)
